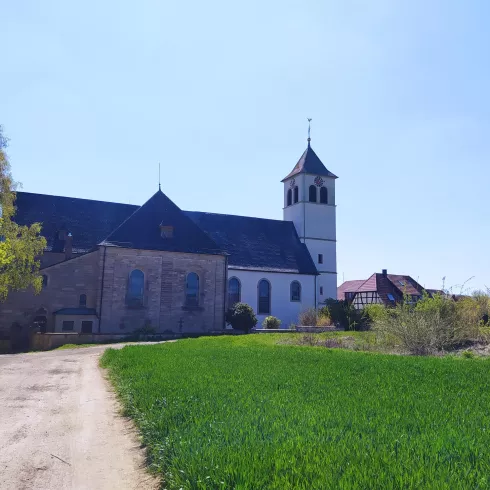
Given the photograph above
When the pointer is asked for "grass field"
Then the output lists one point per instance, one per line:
(246, 413)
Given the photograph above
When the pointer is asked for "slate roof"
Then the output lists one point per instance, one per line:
(253, 243)
(142, 229)
(257, 243)
(88, 221)
(309, 163)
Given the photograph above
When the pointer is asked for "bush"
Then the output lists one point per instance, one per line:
(343, 314)
(433, 324)
(241, 317)
(271, 322)
(308, 317)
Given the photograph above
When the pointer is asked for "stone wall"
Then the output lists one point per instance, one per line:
(164, 297)
(66, 282)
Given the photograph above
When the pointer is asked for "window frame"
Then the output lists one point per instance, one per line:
(314, 189)
(189, 300)
(320, 258)
(291, 298)
(269, 297)
(82, 304)
(230, 303)
(323, 195)
(295, 194)
(72, 329)
(133, 300)
(289, 197)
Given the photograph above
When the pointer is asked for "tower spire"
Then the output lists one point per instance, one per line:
(309, 129)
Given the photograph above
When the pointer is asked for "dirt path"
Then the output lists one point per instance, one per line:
(60, 428)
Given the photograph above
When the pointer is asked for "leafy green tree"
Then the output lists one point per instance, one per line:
(20, 246)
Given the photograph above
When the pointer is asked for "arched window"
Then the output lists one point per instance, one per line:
(45, 281)
(192, 289)
(312, 193)
(136, 288)
(264, 297)
(323, 195)
(41, 319)
(234, 291)
(82, 302)
(295, 291)
(290, 197)
(295, 192)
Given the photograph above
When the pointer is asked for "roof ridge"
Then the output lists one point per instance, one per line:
(238, 216)
(77, 198)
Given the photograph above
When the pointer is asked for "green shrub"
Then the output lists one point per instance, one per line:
(432, 324)
(343, 314)
(241, 317)
(271, 322)
(467, 354)
(373, 312)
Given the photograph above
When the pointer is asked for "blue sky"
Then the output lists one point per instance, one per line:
(95, 94)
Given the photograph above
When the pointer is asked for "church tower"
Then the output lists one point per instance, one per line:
(309, 202)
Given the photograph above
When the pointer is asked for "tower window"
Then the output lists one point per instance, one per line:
(295, 291)
(321, 290)
(323, 195)
(312, 193)
(295, 192)
(320, 258)
(45, 281)
(290, 197)
(82, 302)
(264, 297)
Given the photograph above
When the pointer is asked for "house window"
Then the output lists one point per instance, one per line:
(349, 296)
(323, 195)
(295, 291)
(295, 192)
(68, 326)
(312, 193)
(82, 302)
(136, 288)
(234, 291)
(321, 290)
(320, 258)
(45, 281)
(264, 297)
(192, 289)
(87, 326)
(391, 297)
(290, 197)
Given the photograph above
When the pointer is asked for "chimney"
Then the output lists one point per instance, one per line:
(385, 272)
(68, 246)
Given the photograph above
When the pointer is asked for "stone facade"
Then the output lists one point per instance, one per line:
(164, 297)
(66, 281)
(102, 275)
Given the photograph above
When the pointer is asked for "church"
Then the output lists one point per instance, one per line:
(115, 268)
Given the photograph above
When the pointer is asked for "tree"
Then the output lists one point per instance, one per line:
(241, 317)
(20, 246)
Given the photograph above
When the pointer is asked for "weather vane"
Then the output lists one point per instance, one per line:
(309, 128)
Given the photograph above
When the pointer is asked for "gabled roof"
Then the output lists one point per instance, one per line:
(88, 221)
(256, 243)
(142, 229)
(253, 243)
(309, 163)
(397, 285)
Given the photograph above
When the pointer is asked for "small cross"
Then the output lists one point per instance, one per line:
(309, 128)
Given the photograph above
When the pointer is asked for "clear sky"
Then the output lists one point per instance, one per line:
(94, 94)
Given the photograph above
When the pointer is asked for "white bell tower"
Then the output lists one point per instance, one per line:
(309, 202)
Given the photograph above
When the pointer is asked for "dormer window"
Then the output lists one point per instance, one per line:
(166, 231)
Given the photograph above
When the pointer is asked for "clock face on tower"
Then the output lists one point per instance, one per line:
(291, 184)
(319, 181)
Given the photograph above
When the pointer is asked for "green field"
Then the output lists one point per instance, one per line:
(248, 413)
